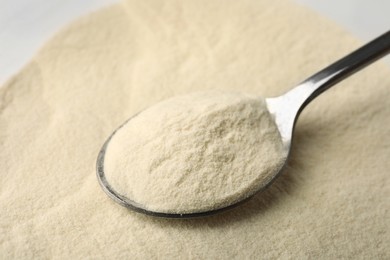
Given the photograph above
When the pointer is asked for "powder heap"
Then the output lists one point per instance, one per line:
(195, 152)
(332, 202)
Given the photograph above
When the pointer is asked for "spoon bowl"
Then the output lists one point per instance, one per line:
(285, 110)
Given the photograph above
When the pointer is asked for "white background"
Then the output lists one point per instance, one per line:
(26, 24)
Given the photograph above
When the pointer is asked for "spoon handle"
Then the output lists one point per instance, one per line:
(309, 89)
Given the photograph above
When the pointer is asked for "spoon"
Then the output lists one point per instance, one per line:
(285, 109)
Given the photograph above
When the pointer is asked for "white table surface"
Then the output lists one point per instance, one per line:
(26, 24)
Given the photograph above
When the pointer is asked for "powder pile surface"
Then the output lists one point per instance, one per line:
(195, 152)
(332, 202)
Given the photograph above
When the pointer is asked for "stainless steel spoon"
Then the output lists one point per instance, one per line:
(285, 109)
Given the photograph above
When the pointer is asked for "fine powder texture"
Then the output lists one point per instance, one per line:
(195, 152)
(332, 202)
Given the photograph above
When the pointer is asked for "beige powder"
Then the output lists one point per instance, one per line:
(195, 152)
(331, 202)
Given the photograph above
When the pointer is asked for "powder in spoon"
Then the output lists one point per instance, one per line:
(195, 152)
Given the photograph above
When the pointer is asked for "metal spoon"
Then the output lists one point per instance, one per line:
(285, 109)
